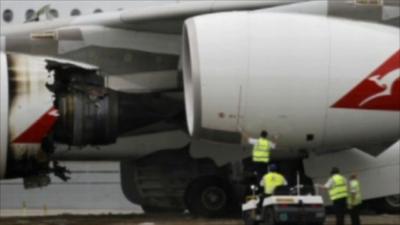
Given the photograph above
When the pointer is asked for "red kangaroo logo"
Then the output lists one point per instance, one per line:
(379, 91)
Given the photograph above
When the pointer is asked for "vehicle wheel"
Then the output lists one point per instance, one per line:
(247, 218)
(389, 204)
(269, 217)
(209, 197)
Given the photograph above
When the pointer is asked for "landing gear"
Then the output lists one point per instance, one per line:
(393, 202)
(209, 197)
(160, 182)
(388, 204)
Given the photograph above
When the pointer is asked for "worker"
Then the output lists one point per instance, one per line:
(354, 200)
(338, 193)
(272, 180)
(261, 152)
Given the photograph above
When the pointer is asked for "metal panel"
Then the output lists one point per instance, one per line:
(286, 91)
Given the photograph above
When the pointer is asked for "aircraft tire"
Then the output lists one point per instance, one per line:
(388, 204)
(209, 197)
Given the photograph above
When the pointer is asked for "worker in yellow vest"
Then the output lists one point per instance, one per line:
(355, 199)
(338, 193)
(261, 152)
(272, 180)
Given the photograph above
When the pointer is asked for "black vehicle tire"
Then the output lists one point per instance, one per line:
(269, 218)
(248, 220)
(388, 204)
(209, 197)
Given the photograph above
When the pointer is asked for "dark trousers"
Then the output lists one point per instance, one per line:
(261, 202)
(340, 207)
(261, 169)
(355, 215)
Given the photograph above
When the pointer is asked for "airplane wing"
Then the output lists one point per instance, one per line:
(143, 40)
(164, 15)
(165, 19)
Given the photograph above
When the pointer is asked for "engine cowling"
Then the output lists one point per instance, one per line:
(305, 78)
(46, 101)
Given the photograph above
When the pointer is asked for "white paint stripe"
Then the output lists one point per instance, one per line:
(3, 109)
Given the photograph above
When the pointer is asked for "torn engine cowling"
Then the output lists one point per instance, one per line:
(49, 101)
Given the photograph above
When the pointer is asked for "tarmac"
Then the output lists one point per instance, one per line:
(94, 197)
(164, 220)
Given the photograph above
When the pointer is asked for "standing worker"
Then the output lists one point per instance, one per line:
(355, 200)
(261, 152)
(338, 193)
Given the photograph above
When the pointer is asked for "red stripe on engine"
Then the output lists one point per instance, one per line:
(369, 87)
(38, 130)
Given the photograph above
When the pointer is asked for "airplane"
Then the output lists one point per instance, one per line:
(167, 89)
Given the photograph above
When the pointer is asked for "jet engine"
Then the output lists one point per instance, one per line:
(315, 82)
(46, 101)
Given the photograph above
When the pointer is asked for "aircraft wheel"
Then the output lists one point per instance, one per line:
(209, 197)
(389, 204)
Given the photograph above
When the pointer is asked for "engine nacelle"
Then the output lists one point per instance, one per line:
(45, 102)
(317, 82)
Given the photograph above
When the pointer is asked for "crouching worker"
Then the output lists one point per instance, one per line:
(270, 182)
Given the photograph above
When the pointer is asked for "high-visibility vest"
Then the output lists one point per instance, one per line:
(261, 151)
(339, 187)
(355, 186)
(271, 181)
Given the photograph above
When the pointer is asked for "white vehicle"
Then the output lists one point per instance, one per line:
(285, 206)
(165, 89)
(286, 210)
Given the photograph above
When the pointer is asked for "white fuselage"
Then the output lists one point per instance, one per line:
(65, 9)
